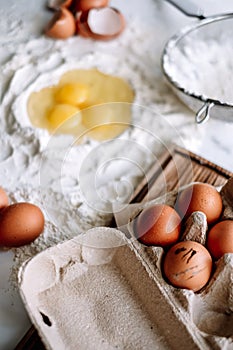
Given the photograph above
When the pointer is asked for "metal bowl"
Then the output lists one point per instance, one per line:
(198, 64)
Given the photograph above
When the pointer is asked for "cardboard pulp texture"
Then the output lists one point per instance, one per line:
(104, 290)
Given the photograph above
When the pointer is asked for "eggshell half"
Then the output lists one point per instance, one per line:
(62, 25)
(85, 5)
(100, 24)
(57, 4)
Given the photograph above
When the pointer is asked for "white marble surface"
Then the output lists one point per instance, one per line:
(23, 20)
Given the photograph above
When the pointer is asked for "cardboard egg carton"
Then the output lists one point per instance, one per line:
(105, 290)
(211, 309)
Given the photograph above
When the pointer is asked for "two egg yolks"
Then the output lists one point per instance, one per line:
(83, 102)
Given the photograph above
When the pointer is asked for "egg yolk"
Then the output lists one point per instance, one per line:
(104, 101)
(61, 113)
(74, 94)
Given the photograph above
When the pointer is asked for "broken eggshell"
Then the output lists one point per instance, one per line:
(62, 25)
(104, 23)
(85, 5)
(57, 4)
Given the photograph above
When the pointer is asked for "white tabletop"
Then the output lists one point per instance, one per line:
(23, 20)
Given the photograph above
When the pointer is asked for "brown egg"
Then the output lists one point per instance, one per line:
(200, 197)
(4, 201)
(188, 265)
(220, 239)
(62, 25)
(20, 224)
(85, 5)
(105, 23)
(158, 225)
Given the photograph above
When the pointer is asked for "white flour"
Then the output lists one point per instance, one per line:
(201, 62)
(77, 185)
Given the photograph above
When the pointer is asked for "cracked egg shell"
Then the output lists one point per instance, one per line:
(188, 265)
(62, 25)
(85, 5)
(4, 201)
(20, 224)
(103, 23)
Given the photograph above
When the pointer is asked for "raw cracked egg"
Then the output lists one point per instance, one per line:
(158, 225)
(200, 197)
(20, 224)
(65, 116)
(220, 239)
(188, 265)
(68, 106)
(72, 93)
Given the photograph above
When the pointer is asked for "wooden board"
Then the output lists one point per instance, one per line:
(175, 168)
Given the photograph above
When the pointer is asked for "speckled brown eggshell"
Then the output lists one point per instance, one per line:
(188, 265)
(220, 239)
(158, 225)
(20, 224)
(4, 201)
(200, 197)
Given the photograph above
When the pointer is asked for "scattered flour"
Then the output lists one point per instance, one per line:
(77, 185)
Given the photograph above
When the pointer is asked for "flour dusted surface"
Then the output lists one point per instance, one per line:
(52, 166)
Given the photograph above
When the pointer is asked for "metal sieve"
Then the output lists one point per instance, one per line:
(198, 64)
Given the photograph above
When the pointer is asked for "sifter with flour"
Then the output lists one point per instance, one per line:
(198, 65)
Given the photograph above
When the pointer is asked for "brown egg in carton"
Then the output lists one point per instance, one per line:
(211, 308)
(105, 290)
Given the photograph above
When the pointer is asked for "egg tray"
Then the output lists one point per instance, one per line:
(168, 310)
(210, 311)
(102, 290)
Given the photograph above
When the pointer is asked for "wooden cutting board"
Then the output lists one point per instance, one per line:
(176, 167)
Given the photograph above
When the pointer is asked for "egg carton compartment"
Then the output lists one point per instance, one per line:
(209, 312)
(95, 293)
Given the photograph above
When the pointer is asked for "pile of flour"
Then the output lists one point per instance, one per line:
(76, 185)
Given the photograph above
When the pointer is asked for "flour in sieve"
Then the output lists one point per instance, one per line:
(204, 67)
